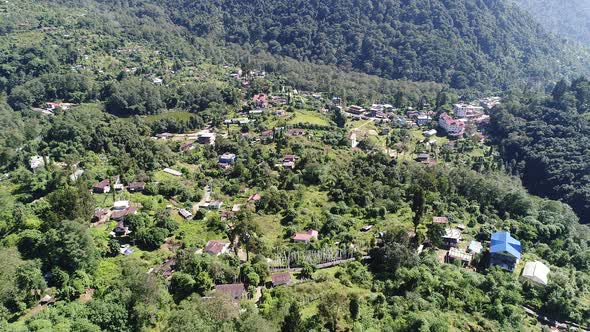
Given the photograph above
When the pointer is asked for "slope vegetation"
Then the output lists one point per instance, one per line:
(567, 18)
(465, 43)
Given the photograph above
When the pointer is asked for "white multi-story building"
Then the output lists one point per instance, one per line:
(452, 126)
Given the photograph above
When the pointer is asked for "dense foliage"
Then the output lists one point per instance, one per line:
(466, 43)
(566, 18)
(14, 132)
(546, 142)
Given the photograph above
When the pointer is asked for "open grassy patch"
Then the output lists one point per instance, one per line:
(310, 117)
(270, 226)
(195, 233)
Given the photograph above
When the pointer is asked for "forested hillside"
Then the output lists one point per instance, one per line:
(466, 43)
(155, 177)
(86, 54)
(566, 18)
(547, 143)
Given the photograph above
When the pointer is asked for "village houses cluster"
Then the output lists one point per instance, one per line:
(503, 251)
(453, 124)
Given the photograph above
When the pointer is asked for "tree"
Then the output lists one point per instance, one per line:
(196, 314)
(150, 238)
(182, 285)
(289, 217)
(421, 233)
(29, 280)
(203, 283)
(144, 294)
(21, 98)
(441, 99)
(70, 247)
(165, 221)
(293, 321)
(59, 278)
(307, 270)
(506, 294)
(109, 314)
(418, 203)
(10, 294)
(244, 232)
(435, 234)
(559, 90)
(396, 252)
(200, 215)
(332, 308)
(72, 202)
(355, 307)
(260, 266)
(134, 97)
(113, 248)
(30, 243)
(251, 321)
(252, 279)
(339, 118)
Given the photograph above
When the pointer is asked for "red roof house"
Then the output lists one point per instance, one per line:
(217, 247)
(281, 279)
(289, 158)
(452, 126)
(260, 100)
(121, 229)
(227, 215)
(440, 220)
(184, 147)
(267, 133)
(99, 214)
(254, 198)
(305, 237)
(295, 132)
(121, 214)
(235, 291)
(102, 187)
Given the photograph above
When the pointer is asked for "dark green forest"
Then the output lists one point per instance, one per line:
(467, 43)
(546, 141)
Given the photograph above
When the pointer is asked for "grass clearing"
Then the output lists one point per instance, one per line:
(270, 226)
(309, 293)
(310, 117)
(195, 233)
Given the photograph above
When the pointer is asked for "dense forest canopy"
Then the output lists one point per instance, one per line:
(547, 143)
(467, 43)
(567, 18)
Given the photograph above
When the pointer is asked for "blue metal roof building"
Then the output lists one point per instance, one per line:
(505, 251)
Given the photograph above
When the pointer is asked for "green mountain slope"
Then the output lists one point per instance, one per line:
(132, 75)
(466, 43)
(546, 143)
(568, 18)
